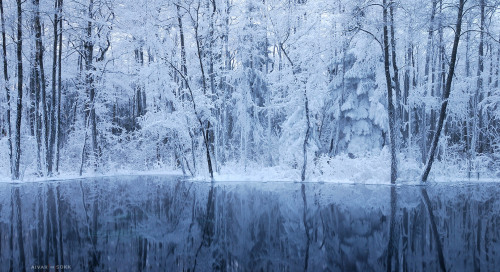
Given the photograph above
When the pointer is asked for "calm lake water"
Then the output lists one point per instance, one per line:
(163, 223)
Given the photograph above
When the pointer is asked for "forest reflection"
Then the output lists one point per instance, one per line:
(166, 223)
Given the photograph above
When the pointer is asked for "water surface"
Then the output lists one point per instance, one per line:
(158, 223)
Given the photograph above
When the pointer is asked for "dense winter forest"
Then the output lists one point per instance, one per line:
(311, 89)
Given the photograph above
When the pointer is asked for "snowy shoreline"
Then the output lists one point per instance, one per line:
(370, 170)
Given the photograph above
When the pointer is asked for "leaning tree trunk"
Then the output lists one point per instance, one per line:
(446, 94)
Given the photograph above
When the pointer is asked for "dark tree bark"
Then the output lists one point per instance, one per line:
(140, 105)
(477, 143)
(306, 137)
(211, 73)
(467, 124)
(37, 123)
(40, 83)
(446, 94)
(6, 82)
(441, 74)
(397, 84)
(183, 48)
(53, 128)
(19, 53)
(59, 89)
(437, 78)
(423, 123)
(405, 120)
(212, 38)
(390, 103)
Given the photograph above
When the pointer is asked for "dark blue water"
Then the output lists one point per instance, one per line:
(157, 223)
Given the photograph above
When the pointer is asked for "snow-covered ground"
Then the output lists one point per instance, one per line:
(371, 169)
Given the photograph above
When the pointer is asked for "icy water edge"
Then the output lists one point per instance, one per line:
(158, 223)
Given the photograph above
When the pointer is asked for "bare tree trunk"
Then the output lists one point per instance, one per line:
(59, 92)
(446, 93)
(183, 47)
(34, 89)
(19, 49)
(477, 146)
(212, 135)
(397, 84)
(441, 78)
(390, 103)
(405, 121)
(225, 124)
(6, 82)
(423, 126)
(467, 123)
(82, 161)
(89, 83)
(52, 138)
(139, 57)
(41, 83)
(306, 137)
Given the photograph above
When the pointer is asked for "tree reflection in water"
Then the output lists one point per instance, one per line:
(166, 223)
